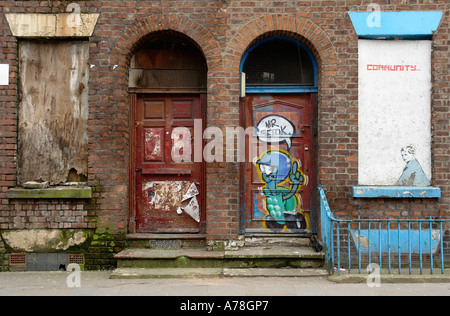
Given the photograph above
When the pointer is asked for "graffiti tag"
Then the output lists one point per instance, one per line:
(275, 129)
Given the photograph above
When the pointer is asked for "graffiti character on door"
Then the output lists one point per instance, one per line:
(283, 180)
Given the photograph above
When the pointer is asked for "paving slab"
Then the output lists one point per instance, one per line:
(99, 283)
(415, 277)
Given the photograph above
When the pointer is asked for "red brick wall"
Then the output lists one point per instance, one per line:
(224, 30)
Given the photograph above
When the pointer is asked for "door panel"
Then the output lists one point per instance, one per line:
(153, 144)
(280, 179)
(169, 191)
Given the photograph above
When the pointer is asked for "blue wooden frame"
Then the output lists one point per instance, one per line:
(405, 25)
(396, 192)
(280, 88)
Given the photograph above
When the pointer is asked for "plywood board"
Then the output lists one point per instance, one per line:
(394, 112)
(53, 111)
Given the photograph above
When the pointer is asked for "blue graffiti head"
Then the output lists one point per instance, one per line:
(274, 166)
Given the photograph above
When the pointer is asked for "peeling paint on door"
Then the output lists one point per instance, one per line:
(166, 178)
(165, 195)
(153, 146)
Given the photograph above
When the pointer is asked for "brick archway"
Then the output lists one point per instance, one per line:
(172, 24)
(305, 31)
(318, 43)
(135, 37)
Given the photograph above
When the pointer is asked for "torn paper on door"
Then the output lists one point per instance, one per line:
(192, 191)
(193, 209)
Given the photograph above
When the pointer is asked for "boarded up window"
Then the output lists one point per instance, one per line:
(395, 113)
(53, 111)
(168, 64)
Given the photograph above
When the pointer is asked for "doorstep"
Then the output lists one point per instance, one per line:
(251, 257)
(203, 253)
(181, 273)
(166, 241)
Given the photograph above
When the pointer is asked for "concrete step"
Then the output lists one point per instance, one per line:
(246, 257)
(166, 241)
(270, 240)
(148, 273)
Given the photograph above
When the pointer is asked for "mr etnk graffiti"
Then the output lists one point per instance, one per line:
(279, 202)
(283, 179)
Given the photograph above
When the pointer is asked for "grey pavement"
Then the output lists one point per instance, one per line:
(100, 284)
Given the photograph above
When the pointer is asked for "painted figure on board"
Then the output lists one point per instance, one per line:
(413, 174)
(277, 169)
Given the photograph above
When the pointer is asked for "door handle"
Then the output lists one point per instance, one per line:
(138, 169)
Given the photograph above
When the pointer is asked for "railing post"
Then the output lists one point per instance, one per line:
(338, 242)
(409, 247)
(326, 229)
(349, 247)
(368, 242)
(420, 246)
(442, 246)
(431, 246)
(379, 241)
(359, 245)
(399, 251)
(332, 244)
(389, 245)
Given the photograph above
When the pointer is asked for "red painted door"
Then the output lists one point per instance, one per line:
(279, 182)
(169, 184)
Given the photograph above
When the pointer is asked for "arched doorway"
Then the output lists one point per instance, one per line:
(167, 85)
(278, 187)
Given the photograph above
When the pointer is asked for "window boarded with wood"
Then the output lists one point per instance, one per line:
(168, 65)
(53, 111)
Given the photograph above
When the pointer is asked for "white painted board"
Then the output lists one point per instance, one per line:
(394, 109)
(4, 74)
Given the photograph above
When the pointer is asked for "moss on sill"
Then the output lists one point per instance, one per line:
(61, 192)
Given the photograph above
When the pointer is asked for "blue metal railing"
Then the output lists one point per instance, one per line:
(349, 242)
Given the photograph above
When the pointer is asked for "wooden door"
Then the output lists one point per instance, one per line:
(169, 192)
(279, 183)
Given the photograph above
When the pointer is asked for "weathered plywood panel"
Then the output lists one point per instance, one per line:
(53, 111)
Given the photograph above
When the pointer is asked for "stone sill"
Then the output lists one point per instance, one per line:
(50, 193)
(396, 192)
(61, 25)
